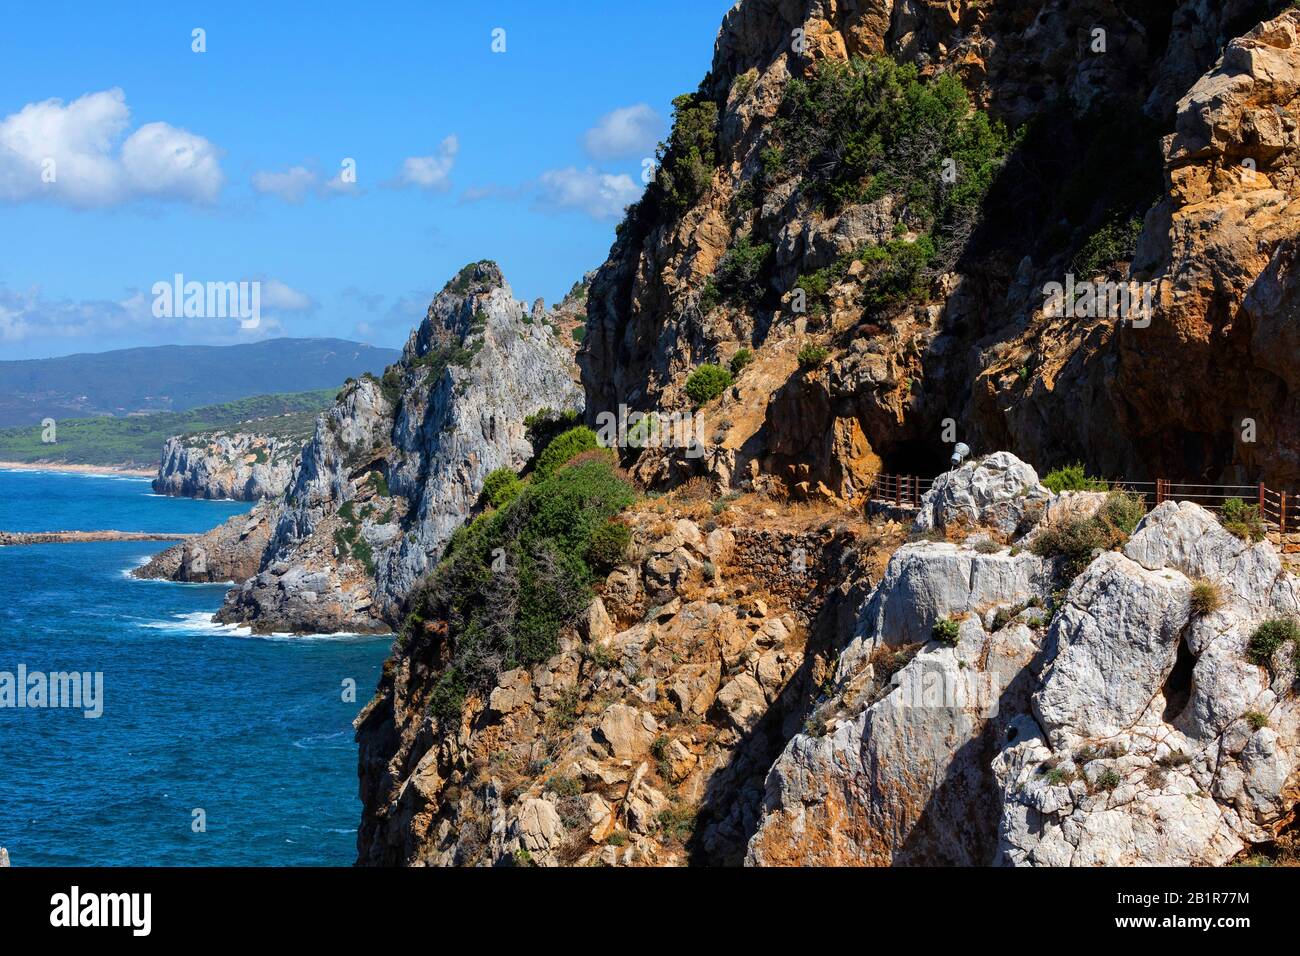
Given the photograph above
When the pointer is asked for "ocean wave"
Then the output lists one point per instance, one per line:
(200, 622)
(304, 742)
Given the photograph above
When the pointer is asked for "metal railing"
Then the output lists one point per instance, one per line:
(1277, 509)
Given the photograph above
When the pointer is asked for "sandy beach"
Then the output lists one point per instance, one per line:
(77, 469)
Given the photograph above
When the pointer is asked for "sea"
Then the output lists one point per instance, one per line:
(212, 746)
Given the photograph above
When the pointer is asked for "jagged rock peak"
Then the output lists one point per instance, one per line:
(476, 298)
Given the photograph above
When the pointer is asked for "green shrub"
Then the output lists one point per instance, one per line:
(608, 545)
(545, 424)
(501, 487)
(380, 483)
(564, 786)
(563, 448)
(1256, 720)
(895, 272)
(1123, 510)
(1269, 637)
(707, 382)
(1116, 241)
(741, 360)
(740, 275)
(855, 131)
(1108, 779)
(688, 159)
(1072, 478)
(512, 578)
(1078, 539)
(946, 631)
(1058, 776)
(677, 822)
(392, 385)
(811, 356)
(1242, 519)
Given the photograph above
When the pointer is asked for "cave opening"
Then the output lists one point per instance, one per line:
(921, 458)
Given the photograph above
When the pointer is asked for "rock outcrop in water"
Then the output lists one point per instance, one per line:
(397, 465)
(232, 551)
(240, 466)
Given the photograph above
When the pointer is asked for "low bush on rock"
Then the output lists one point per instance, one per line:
(1206, 597)
(1242, 519)
(608, 545)
(811, 356)
(946, 631)
(1072, 478)
(1078, 540)
(740, 278)
(707, 382)
(563, 448)
(742, 358)
(1269, 637)
(501, 487)
(513, 578)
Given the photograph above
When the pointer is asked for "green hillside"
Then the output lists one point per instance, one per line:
(134, 442)
(173, 378)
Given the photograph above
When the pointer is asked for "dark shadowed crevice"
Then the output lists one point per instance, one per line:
(1178, 685)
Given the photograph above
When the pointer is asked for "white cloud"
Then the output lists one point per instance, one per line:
(279, 297)
(292, 185)
(624, 132)
(599, 195)
(67, 153)
(28, 316)
(430, 172)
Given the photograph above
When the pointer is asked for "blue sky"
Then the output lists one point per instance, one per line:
(226, 165)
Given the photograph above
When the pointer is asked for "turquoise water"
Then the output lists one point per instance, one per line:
(252, 731)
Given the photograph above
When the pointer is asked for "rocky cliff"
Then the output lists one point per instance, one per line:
(645, 738)
(240, 466)
(843, 266)
(908, 264)
(397, 465)
(806, 688)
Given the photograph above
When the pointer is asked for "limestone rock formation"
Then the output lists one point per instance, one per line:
(232, 551)
(396, 465)
(1122, 727)
(999, 492)
(241, 466)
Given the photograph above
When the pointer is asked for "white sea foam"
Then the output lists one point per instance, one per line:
(200, 622)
